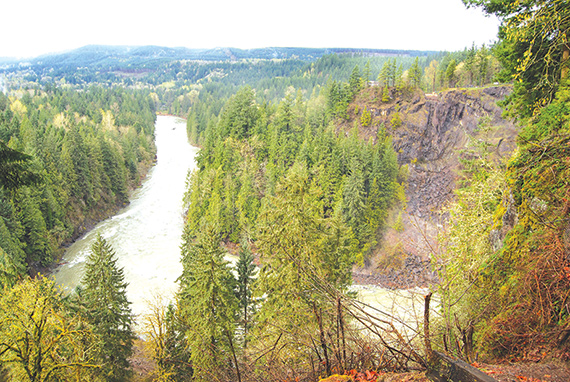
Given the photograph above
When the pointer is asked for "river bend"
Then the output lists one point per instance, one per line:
(146, 235)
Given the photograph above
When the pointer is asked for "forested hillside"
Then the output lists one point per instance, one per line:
(505, 258)
(84, 151)
(308, 182)
(304, 165)
(286, 177)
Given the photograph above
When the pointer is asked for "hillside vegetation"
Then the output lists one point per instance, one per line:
(85, 151)
(303, 172)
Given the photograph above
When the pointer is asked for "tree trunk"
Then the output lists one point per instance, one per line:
(565, 62)
(323, 338)
(427, 341)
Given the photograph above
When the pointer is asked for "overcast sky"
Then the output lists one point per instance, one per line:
(32, 27)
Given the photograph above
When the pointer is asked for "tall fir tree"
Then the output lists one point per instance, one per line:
(245, 276)
(208, 305)
(108, 311)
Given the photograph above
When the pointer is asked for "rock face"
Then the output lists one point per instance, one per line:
(437, 132)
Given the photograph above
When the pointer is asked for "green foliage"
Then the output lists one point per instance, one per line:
(534, 49)
(468, 252)
(8, 272)
(104, 298)
(387, 76)
(14, 169)
(396, 120)
(165, 332)
(385, 95)
(40, 340)
(208, 304)
(246, 270)
(450, 76)
(415, 74)
(506, 267)
(355, 82)
(366, 117)
(299, 259)
(66, 163)
(238, 175)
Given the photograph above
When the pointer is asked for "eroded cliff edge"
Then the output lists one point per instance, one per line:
(436, 133)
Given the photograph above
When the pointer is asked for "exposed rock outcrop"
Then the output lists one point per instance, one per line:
(434, 136)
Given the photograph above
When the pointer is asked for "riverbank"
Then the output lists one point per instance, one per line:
(90, 221)
(146, 234)
(413, 272)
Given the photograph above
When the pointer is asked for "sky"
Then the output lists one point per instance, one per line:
(33, 27)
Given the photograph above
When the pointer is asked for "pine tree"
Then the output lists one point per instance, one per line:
(392, 68)
(15, 169)
(399, 77)
(366, 73)
(355, 81)
(108, 311)
(386, 95)
(383, 76)
(450, 77)
(415, 74)
(8, 273)
(208, 304)
(245, 271)
(366, 117)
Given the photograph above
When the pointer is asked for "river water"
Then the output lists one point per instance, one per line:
(146, 235)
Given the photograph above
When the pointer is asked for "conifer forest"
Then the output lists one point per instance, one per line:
(437, 179)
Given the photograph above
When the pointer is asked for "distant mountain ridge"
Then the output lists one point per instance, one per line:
(128, 56)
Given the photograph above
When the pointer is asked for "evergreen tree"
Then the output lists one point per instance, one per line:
(8, 271)
(392, 68)
(470, 64)
(35, 230)
(108, 311)
(208, 304)
(245, 272)
(355, 81)
(415, 74)
(399, 77)
(482, 61)
(296, 258)
(366, 117)
(385, 94)
(450, 77)
(15, 168)
(366, 73)
(383, 76)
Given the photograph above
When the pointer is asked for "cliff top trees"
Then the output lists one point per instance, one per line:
(107, 310)
(535, 50)
(415, 74)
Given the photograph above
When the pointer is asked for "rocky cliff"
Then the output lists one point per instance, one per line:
(436, 132)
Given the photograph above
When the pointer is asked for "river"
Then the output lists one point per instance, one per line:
(146, 235)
